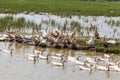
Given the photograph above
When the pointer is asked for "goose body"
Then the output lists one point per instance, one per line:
(102, 68)
(7, 51)
(31, 56)
(85, 68)
(37, 51)
(3, 37)
(111, 41)
(28, 36)
(102, 59)
(115, 68)
(111, 63)
(59, 55)
(79, 62)
(43, 57)
(90, 60)
(90, 42)
(56, 57)
(43, 41)
(11, 36)
(106, 56)
(73, 59)
(58, 63)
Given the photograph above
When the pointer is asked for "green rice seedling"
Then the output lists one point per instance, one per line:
(75, 24)
(112, 22)
(117, 23)
(53, 23)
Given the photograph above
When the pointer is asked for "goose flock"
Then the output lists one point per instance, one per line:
(53, 38)
(60, 38)
(107, 63)
(49, 38)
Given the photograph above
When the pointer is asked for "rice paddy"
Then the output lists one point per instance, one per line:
(61, 7)
(59, 27)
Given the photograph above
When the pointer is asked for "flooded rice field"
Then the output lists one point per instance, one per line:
(109, 26)
(18, 67)
(20, 61)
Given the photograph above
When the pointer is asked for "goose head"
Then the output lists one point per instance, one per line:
(105, 42)
(37, 55)
(78, 57)
(47, 56)
(108, 67)
(96, 34)
(91, 67)
(62, 57)
(118, 64)
(63, 62)
(11, 51)
(35, 58)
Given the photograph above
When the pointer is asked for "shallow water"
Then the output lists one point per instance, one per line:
(18, 67)
(106, 25)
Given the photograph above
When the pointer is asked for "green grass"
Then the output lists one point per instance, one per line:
(61, 7)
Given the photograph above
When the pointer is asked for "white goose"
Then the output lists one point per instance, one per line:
(37, 51)
(91, 41)
(58, 63)
(43, 57)
(59, 55)
(102, 59)
(31, 57)
(57, 58)
(115, 67)
(72, 59)
(76, 60)
(7, 51)
(3, 37)
(111, 63)
(86, 68)
(28, 36)
(90, 60)
(106, 56)
(43, 41)
(102, 68)
(13, 36)
(111, 41)
(79, 62)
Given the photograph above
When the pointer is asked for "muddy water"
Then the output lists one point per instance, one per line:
(18, 67)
